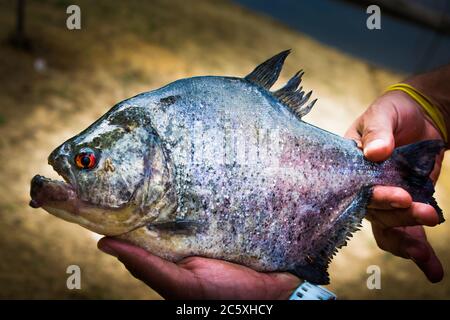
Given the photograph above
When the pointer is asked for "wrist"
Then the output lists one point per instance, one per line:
(432, 89)
(434, 85)
(421, 107)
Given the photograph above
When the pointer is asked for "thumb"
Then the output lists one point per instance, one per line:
(376, 128)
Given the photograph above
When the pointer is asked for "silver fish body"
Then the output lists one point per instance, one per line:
(223, 168)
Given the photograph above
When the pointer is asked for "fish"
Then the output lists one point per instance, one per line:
(223, 167)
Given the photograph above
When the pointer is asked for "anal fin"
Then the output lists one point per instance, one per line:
(337, 236)
(315, 274)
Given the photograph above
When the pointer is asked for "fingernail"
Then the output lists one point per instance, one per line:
(396, 205)
(288, 276)
(373, 145)
(107, 249)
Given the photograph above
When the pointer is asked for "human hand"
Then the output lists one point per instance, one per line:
(395, 119)
(199, 278)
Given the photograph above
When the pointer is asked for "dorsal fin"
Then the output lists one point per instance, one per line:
(266, 74)
(295, 98)
(291, 85)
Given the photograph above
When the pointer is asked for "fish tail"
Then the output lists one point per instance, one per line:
(415, 163)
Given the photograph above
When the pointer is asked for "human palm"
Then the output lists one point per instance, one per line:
(200, 278)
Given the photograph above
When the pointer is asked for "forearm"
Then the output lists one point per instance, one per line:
(436, 86)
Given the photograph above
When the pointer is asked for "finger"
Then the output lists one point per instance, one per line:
(384, 197)
(352, 133)
(427, 261)
(434, 175)
(163, 276)
(410, 243)
(376, 129)
(418, 249)
(284, 283)
(417, 214)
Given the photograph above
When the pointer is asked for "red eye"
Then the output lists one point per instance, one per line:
(86, 159)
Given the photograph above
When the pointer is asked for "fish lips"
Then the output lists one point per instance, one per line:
(45, 191)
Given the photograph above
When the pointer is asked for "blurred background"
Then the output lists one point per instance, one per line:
(54, 82)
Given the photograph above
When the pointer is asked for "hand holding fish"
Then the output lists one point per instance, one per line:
(395, 119)
(200, 278)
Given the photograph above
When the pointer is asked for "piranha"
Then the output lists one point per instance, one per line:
(222, 167)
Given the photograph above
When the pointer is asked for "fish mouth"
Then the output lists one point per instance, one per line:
(60, 199)
(45, 191)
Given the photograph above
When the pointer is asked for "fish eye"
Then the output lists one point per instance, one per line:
(86, 159)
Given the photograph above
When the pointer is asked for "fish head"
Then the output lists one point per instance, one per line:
(115, 174)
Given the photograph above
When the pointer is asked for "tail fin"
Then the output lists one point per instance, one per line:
(416, 161)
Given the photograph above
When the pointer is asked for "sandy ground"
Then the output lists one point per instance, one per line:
(123, 50)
